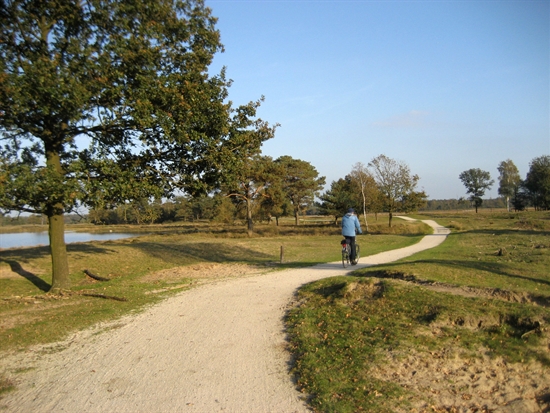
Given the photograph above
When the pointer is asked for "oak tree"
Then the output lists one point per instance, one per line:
(106, 101)
(476, 182)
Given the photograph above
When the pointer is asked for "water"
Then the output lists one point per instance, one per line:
(34, 239)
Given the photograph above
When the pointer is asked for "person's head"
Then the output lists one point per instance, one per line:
(351, 211)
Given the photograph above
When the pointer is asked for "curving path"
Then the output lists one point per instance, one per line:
(216, 348)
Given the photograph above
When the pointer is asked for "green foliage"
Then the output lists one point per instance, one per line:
(250, 185)
(371, 197)
(537, 182)
(340, 197)
(476, 182)
(137, 90)
(509, 180)
(460, 204)
(300, 183)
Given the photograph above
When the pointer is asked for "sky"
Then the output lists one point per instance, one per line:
(443, 86)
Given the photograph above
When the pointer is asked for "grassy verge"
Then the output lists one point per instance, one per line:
(483, 294)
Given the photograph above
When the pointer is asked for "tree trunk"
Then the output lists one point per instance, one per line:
(56, 229)
(250, 223)
(297, 217)
(60, 262)
(364, 205)
(391, 217)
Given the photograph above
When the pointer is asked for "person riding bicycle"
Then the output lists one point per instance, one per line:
(351, 226)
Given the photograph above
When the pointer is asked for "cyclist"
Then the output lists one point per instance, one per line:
(351, 226)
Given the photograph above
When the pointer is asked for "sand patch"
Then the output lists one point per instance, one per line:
(452, 383)
(204, 271)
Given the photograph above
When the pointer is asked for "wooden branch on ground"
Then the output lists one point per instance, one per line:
(107, 297)
(95, 277)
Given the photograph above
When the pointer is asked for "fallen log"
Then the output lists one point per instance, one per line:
(95, 277)
(107, 297)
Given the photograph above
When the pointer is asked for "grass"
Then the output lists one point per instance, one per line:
(500, 250)
(345, 327)
(348, 324)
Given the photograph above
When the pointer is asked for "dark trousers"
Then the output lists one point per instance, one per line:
(351, 242)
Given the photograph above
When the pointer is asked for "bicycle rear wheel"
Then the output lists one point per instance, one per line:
(357, 255)
(345, 256)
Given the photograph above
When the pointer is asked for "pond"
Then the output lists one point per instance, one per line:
(35, 239)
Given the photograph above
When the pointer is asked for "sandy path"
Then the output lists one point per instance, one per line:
(219, 347)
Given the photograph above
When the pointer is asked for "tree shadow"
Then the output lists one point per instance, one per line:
(207, 251)
(489, 231)
(31, 253)
(37, 281)
(495, 268)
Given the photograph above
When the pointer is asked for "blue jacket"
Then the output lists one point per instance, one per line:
(350, 223)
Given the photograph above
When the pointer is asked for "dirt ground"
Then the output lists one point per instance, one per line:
(221, 347)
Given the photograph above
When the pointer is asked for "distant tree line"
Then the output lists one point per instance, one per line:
(461, 204)
(266, 190)
(518, 194)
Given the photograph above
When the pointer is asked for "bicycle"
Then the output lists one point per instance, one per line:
(346, 252)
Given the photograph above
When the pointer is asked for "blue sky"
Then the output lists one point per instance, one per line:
(443, 86)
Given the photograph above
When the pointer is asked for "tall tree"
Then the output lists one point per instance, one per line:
(249, 185)
(476, 182)
(521, 197)
(275, 203)
(300, 182)
(339, 197)
(537, 182)
(368, 189)
(509, 180)
(395, 182)
(105, 101)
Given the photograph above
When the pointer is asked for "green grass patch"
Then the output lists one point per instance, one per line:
(490, 251)
(483, 293)
(345, 326)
